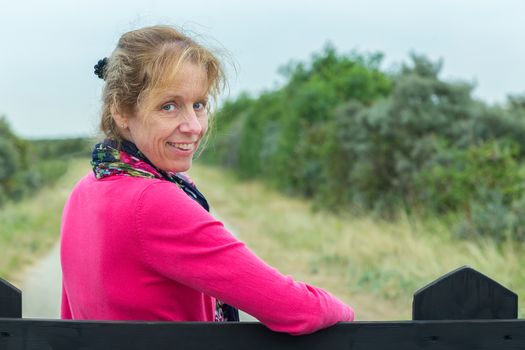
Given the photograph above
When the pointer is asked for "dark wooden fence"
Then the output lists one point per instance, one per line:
(461, 310)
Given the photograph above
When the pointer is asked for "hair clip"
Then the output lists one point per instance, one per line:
(100, 67)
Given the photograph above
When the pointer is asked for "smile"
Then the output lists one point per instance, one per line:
(182, 146)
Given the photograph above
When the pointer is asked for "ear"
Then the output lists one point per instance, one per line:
(121, 119)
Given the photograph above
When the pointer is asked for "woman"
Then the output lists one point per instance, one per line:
(137, 240)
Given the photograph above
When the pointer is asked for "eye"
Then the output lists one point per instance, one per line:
(198, 106)
(169, 107)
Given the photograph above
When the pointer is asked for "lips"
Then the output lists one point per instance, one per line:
(183, 146)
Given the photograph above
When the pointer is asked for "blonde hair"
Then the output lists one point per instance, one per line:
(144, 63)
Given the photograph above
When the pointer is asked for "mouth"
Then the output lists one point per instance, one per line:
(186, 147)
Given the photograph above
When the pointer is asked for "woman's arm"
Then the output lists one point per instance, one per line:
(182, 241)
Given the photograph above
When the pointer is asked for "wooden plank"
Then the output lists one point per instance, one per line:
(464, 294)
(10, 300)
(24, 334)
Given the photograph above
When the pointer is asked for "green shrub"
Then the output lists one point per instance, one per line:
(350, 136)
(49, 171)
(27, 165)
(458, 177)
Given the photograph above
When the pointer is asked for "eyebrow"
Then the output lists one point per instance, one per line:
(174, 96)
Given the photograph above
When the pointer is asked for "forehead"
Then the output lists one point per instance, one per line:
(188, 81)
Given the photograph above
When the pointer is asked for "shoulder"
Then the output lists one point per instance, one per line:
(124, 182)
(166, 198)
(155, 190)
(125, 190)
(164, 210)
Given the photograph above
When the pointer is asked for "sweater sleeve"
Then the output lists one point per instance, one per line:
(185, 243)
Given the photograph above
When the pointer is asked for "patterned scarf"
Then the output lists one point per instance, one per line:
(108, 159)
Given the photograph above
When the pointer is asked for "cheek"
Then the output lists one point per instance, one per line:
(135, 131)
(146, 136)
(204, 124)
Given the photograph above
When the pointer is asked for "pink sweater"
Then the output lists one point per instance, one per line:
(141, 249)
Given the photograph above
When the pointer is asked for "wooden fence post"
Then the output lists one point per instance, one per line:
(464, 294)
(10, 300)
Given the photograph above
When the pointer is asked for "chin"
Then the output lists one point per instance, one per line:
(179, 168)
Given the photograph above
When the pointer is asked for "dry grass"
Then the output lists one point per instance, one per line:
(375, 266)
(29, 228)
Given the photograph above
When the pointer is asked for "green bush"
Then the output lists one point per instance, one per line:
(27, 165)
(60, 148)
(49, 171)
(13, 164)
(485, 183)
(350, 136)
(459, 177)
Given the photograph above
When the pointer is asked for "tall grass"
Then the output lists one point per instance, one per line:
(373, 265)
(30, 227)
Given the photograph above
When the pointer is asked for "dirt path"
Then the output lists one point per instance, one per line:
(41, 287)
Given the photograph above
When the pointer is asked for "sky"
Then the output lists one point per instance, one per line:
(49, 48)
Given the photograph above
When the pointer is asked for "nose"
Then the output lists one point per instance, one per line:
(191, 123)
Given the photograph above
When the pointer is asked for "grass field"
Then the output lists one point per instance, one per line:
(375, 266)
(29, 228)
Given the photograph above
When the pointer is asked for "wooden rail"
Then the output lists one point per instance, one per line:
(461, 310)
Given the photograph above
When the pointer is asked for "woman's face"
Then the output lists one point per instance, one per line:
(169, 134)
